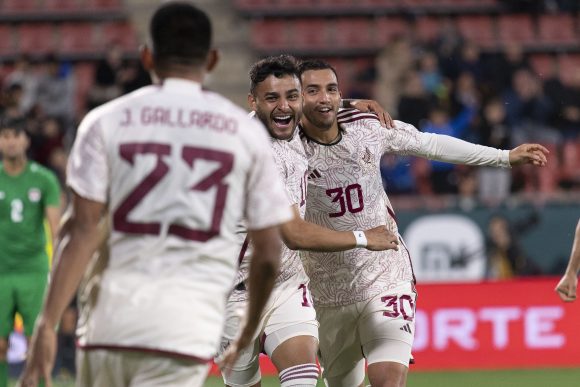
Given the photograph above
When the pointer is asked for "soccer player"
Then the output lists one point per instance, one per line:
(566, 288)
(175, 167)
(29, 195)
(365, 300)
(288, 331)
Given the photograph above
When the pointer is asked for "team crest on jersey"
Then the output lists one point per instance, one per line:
(367, 156)
(34, 194)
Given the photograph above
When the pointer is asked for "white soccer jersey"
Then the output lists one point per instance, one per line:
(345, 192)
(291, 162)
(178, 167)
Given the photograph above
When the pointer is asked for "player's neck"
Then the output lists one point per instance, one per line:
(322, 135)
(182, 72)
(14, 166)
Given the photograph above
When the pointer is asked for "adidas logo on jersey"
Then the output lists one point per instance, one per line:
(406, 328)
(314, 174)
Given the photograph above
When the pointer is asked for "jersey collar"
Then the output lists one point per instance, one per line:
(181, 85)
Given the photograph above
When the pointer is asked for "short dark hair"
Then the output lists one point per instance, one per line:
(9, 123)
(181, 34)
(278, 66)
(315, 64)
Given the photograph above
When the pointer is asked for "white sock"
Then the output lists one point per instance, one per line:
(302, 375)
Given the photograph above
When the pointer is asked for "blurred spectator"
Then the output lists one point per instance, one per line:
(467, 188)
(56, 90)
(494, 183)
(25, 76)
(442, 177)
(430, 75)
(569, 113)
(506, 258)
(500, 69)
(415, 103)
(107, 83)
(470, 61)
(528, 110)
(397, 174)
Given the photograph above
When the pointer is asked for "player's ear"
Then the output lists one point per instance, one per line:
(212, 59)
(251, 101)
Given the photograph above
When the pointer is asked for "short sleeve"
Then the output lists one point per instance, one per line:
(87, 169)
(267, 203)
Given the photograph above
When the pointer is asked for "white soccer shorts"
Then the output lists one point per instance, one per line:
(383, 327)
(289, 313)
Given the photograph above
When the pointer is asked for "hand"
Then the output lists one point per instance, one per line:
(534, 154)
(566, 288)
(40, 359)
(380, 238)
(232, 352)
(371, 106)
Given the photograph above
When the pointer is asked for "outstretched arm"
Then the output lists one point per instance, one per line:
(299, 234)
(370, 106)
(566, 288)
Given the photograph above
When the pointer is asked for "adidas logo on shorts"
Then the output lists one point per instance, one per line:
(406, 328)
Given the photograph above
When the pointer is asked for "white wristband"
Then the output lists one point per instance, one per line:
(361, 239)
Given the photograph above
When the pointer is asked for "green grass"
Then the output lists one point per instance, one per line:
(565, 377)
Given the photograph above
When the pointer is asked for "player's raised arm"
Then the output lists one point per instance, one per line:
(566, 288)
(299, 234)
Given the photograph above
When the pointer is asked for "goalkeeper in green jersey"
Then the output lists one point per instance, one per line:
(29, 194)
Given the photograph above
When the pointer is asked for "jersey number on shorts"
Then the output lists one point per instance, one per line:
(188, 154)
(339, 194)
(396, 306)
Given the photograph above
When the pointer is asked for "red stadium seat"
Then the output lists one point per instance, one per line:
(62, 5)
(557, 29)
(387, 28)
(516, 28)
(295, 4)
(569, 64)
(77, 37)
(19, 5)
(7, 41)
(35, 38)
(310, 34)
(120, 32)
(477, 29)
(270, 34)
(427, 28)
(332, 4)
(570, 171)
(104, 5)
(253, 4)
(543, 65)
(352, 33)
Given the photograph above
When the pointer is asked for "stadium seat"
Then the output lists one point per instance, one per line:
(477, 29)
(19, 5)
(62, 5)
(37, 38)
(104, 4)
(427, 28)
(252, 4)
(120, 32)
(569, 64)
(387, 28)
(7, 41)
(516, 28)
(570, 170)
(295, 4)
(77, 37)
(270, 34)
(352, 33)
(557, 29)
(332, 4)
(310, 34)
(543, 64)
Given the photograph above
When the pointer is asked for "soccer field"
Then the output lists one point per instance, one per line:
(565, 377)
(506, 378)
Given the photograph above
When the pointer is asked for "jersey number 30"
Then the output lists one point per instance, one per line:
(189, 154)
